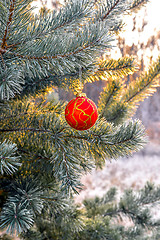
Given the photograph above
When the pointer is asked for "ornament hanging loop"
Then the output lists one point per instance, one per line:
(79, 92)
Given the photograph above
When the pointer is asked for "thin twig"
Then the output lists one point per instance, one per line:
(11, 11)
(105, 16)
(24, 129)
(3, 60)
(52, 57)
(65, 163)
(141, 90)
(111, 94)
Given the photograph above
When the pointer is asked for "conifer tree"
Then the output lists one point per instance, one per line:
(41, 157)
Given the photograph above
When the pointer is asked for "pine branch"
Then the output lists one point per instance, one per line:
(73, 12)
(149, 195)
(93, 206)
(110, 12)
(11, 11)
(144, 86)
(10, 82)
(25, 129)
(130, 205)
(28, 108)
(4, 65)
(108, 97)
(15, 218)
(120, 102)
(67, 19)
(83, 48)
(117, 68)
(137, 4)
(29, 193)
(9, 162)
(47, 49)
(38, 64)
(100, 218)
(100, 70)
(70, 161)
(106, 141)
(107, 69)
(115, 3)
(76, 51)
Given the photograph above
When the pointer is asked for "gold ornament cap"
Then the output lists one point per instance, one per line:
(81, 95)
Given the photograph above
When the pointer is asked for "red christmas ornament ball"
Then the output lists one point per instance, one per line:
(81, 113)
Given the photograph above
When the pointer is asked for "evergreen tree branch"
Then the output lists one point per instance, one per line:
(112, 141)
(106, 69)
(73, 12)
(109, 142)
(43, 61)
(84, 47)
(77, 51)
(137, 4)
(4, 65)
(111, 9)
(118, 68)
(100, 70)
(10, 82)
(25, 129)
(16, 14)
(149, 195)
(108, 98)
(16, 218)
(68, 18)
(29, 193)
(104, 140)
(99, 220)
(110, 12)
(145, 86)
(19, 109)
(9, 161)
(129, 205)
(11, 11)
(124, 101)
(93, 41)
(47, 49)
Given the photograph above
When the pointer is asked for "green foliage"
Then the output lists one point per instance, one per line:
(62, 151)
(144, 86)
(117, 68)
(119, 100)
(63, 49)
(11, 82)
(17, 218)
(78, 32)
(29, 193)
(104, 218)
(136, 4)
(9, 162)
(33, 49)
(111, 11)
